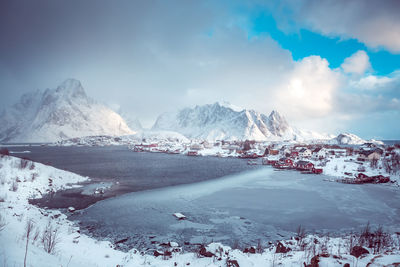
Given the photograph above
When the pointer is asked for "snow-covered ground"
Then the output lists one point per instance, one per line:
(21, 180)
(349, 167)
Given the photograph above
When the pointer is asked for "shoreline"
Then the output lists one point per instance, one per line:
(192, 200)
(74, 197)
(17, 211)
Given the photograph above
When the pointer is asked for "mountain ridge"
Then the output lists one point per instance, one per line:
(216, 121)
(53, 114)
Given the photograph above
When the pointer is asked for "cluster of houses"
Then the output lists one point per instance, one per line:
(253, 150)
(367, 152)
(303, 157)
(290, 163)
(362, 178)
(292, 158)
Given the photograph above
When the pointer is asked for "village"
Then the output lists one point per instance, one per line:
(368, 162)
(358, 164)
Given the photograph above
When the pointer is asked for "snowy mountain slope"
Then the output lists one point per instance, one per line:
(133, 122)
(155, 135)
(54, 114)
(347, 139)
(351, 139)
(216, 121)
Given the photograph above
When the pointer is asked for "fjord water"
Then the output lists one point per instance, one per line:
(244, 204)
(138, 171)
(129, 171)
(256, 205)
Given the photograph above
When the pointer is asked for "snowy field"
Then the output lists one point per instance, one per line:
(21, 180)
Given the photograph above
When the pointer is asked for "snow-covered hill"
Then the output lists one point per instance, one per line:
(216, 121)
(351, 139)
(347, 139)
(55, 114)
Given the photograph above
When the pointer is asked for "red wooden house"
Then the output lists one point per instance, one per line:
(303, 165)
(284, 163)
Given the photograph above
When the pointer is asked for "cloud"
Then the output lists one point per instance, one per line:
(372, 82)
(309, 89)
(357, 63)
(149, 57)
(374, 23)
(318, 97)
(370, 94)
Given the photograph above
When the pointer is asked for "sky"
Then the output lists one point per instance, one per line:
(329, 66)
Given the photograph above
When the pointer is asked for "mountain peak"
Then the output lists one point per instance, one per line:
(275, 114)
(71, 87)
(231, 106)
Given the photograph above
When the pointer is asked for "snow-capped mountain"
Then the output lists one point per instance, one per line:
(216, 121)
(54, 114)
(351, 139)
(347, 139)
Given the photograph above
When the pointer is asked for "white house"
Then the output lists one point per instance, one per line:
(304, 152)
(369, 155)
(320, 152)
(338, 152)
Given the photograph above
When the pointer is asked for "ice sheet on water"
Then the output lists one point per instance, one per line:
(269, 205)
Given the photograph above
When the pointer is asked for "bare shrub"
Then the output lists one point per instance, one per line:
(14, 186)
(34, 176)
(35, 237)
(366, 236)
(23, 163)
(382, 240)
(300, 234)
(2, 223)
(28, 230)
(50, 238)
(259, 248)
(351, 241)
(32, 166)
(377, 240)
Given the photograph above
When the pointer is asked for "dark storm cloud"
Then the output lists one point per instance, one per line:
(44, 42)
(42, 31)
(168, 53)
